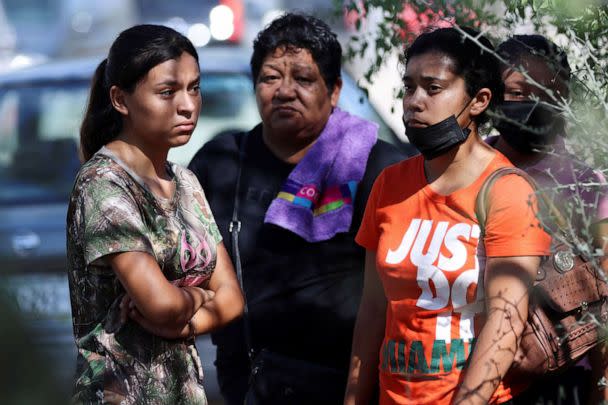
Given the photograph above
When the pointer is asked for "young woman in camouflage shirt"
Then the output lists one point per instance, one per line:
(147, 267)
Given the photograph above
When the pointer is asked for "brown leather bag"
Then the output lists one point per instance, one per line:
(568, 306)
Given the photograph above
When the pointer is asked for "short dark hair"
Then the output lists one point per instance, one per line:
(300, 31)
(478, 67)
(132, 55)
(520, 47)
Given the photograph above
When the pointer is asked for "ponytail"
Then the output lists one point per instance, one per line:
(101, 123)
(136, 50)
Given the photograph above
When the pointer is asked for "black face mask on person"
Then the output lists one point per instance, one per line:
(529, 126)
(439, 138)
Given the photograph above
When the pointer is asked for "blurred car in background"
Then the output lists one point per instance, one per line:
(204, 22)
(41, 108)
(62, 28)
(75, 28)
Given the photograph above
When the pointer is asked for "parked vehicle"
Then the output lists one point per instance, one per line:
(203, 22)
(67, 27)
(41, 108)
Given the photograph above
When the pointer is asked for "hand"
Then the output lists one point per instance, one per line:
(112, 398)
(125, 307)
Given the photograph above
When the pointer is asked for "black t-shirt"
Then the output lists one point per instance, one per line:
(303, 297)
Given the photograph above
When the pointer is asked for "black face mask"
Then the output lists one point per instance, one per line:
(529, 126)
(437, 139)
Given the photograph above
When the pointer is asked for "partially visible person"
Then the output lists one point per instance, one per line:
(307, 170)
(444, 305)
(533, 138)
(147, 268)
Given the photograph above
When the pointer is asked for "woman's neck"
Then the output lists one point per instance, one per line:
(145, 161)
(460, 167)
(148, 163)
(288, 149)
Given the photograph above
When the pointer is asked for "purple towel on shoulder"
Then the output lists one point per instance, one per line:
(316, 200)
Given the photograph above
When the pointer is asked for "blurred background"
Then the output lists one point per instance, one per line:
(48, 52)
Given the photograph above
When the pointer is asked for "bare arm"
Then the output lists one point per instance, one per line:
(224, 302)
(598, 357)
(227, 303)
(599, 230)
(507, 282)
(150, 291)
(367, 339)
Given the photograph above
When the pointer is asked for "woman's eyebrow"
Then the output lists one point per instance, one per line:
(426, 78)
(167, 83)
(173, 82)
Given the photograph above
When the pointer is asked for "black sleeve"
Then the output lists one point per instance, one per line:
(198, 164)
(383, 154)
(221, 150)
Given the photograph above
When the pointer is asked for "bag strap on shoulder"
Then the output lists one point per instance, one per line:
(481, 203)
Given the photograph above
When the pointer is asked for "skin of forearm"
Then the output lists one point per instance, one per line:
(226, 305)
(598, 358)
(181, 310)
(193, 298)
(363, 374)
(492, 357)
(367, 338)
(599, 231)
(153, 296)
(508, 281)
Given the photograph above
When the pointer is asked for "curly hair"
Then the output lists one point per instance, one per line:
(296, 31)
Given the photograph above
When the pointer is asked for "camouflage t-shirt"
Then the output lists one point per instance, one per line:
(111, 210)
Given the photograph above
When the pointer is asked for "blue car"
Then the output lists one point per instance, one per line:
(41, 108)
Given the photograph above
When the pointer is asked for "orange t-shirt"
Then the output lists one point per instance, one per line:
(431, 264)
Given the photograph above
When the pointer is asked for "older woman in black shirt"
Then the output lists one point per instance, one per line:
(306, 173)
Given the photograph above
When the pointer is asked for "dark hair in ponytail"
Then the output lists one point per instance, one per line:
(101, 121)
(132, 55)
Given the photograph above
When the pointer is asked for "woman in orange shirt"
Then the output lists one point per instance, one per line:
(443, 306)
